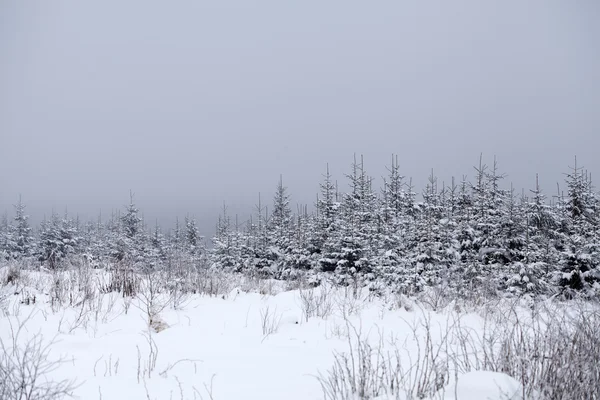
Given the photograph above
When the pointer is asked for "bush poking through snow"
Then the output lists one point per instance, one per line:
(368, 370)
(151, 299)
(24, 368)
(316, 302)
(11, 275)
(270, 321)
(554, 352)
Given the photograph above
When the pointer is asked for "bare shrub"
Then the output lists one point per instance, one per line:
(554, 351)
(25, 366)
(11, 275)
(123, 280)
(270, 321)
(147, 366)
(4, 301)
(82, 287)
(151, 299)
(213, 282)
(367, 371)
(436, 298)
(361, 373)
(59, 290)
(351, 301)
(316, 302)
(178, 293)
(400, 301)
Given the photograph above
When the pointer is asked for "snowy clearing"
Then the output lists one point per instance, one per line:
(308, 343)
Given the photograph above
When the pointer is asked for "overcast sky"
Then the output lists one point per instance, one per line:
(192, 103)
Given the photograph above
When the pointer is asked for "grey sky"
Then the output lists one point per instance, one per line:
(191, 103)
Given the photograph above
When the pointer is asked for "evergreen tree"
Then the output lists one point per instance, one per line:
(131, 222)
(193, 238)
(158, 243)
(59, 238)
(4, 237)
(581, 251)
(227, 252)
(350, 251)
(326, 213)
(132, 238)
(20, 241)
(279, 225)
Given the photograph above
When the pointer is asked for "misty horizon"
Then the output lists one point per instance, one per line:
(194, 105)
(243, 212)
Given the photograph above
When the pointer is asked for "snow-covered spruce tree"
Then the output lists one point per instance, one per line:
(279, 229)
(465, 272)
(390, 261)
(393, 192)
(448, 247)
(250, 245)
(397, 209)
(157, 249)
(488, 221)
(175, 241)
(327, 208)
(300, 253)
(131, 221)
(59, 238)
(258, 257)
(492, 201)
(115, 244)
(434, 247)
(132, 234)
(194, 242)
(422, 261)
(20, 241)
(350, 250)
(529, 243)
(223, 254)
(185, 249)
(96, 243)
(128, 248)
(4, 237)
(87, 233)
(580, 258)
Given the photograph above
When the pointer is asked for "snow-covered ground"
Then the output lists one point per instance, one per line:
(248, 345)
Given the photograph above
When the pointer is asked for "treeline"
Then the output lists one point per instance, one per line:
(124, 240)
(466, 237)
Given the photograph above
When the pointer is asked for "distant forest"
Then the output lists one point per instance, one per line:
(466, 237)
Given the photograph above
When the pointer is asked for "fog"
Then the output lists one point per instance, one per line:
(191, 104)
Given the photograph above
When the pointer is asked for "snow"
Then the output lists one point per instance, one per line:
(237, 346)
(479, 385)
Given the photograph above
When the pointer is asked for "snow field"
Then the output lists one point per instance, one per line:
(324, 343)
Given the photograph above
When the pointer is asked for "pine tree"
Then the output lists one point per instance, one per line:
(226, 252)
(4, 237)
(430, 255)
(580, 257)
(131, 221)
(351, 251)
(279, 225)
(20, 241)
(193, 238)
(326, 213)
(529, 238)
(132, 238)
(158, 247)
(59, 238)
(394, 209)
(95, 243)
